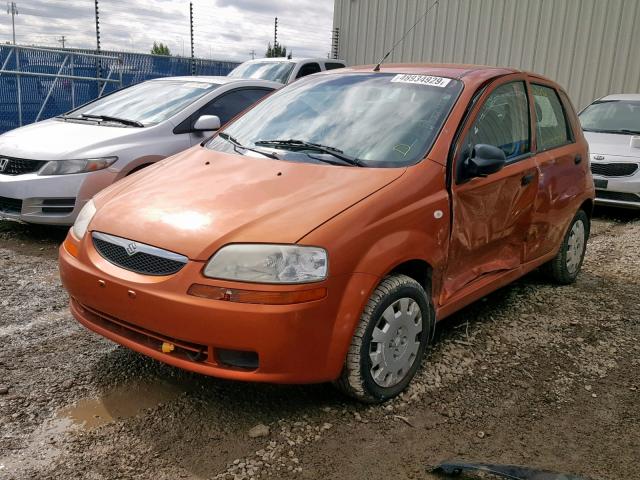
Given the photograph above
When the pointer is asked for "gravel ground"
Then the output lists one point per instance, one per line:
(534, 374)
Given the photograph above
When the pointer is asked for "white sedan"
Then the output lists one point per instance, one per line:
(50, 169)
(612, 127)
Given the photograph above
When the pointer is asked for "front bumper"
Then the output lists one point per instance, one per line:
(296, 343)
(53, 200)
(620, 191)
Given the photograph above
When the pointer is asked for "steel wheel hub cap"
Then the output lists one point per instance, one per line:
(575, 246)
(395, 342)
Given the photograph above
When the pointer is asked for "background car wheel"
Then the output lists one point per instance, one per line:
(564, 268)
(389, 342)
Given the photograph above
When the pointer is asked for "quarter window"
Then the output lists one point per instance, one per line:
(308, 69)
(551, 122)
(502, 122)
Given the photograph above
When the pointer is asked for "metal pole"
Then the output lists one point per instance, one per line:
(73, 83)
(193, 63)
(19, 86)
(99, 62)
(12, 8)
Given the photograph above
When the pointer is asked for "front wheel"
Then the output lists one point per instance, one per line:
(566, 265)
(389, 342)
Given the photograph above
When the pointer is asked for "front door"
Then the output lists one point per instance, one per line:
(492, 214)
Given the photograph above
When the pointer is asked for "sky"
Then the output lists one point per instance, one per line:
(223, 29)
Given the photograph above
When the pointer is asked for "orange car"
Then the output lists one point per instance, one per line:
(322, 234)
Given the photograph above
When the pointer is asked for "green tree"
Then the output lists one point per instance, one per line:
(276, 50)
(160, 49)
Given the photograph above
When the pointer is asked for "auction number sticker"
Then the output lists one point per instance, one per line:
(421, 80)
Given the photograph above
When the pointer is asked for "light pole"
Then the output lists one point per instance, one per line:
(12, 9)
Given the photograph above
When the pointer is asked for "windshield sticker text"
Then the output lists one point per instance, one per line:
(421, 80)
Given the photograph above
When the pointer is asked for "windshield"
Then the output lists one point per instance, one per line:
(379, 119)
(612, 116)
(274, 71)
(147, 103)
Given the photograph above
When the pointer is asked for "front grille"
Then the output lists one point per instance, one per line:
(10, 205)
(614, 169)
(619, 196)
(147, 260)
(19, 166)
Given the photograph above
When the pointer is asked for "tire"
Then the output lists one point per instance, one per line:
(398, 346)
(566, 265)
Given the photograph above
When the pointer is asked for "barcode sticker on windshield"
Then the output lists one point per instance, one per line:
(422, 80)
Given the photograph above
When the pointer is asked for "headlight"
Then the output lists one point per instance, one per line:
(65, 167)
(84, 217)
(268, 263)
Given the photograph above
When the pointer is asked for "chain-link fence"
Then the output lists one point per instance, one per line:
(39, 83)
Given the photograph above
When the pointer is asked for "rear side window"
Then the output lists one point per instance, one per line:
(502, 122)
(308, 69)
(551, 121)
(333, 65)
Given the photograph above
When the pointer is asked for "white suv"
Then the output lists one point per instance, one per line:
(284, 70)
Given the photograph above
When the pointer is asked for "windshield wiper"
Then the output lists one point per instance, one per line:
(108, 118)
(622, 131)
(316, 147)
(236, 145)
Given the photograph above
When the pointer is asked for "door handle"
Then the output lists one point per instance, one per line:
(577, 159)
(526, 179)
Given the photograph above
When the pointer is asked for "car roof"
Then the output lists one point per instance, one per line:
(294, 60)
(219, 80)
(468, 73)
(622, 96)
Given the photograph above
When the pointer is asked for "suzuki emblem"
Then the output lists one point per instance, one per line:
(132, 248)
(4, 162)
(598, 157)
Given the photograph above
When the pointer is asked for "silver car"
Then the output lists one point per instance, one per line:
(50, 169)
(612, 128)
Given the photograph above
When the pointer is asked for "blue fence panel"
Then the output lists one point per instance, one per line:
(131, 68)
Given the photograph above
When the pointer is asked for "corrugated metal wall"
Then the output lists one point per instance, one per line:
(591, 47)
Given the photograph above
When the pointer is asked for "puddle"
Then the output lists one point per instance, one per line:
(124, 401)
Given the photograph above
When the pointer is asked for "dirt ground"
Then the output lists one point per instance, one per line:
(534, 374)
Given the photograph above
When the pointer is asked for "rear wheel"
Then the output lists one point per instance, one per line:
(389, 342)
(566, 265)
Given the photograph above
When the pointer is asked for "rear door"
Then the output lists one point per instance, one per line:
(492, 214)
(562, 164)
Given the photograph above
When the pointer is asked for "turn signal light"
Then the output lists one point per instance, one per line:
(256, 296)
(71, 247)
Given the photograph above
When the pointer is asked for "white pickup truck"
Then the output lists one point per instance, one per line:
(284, 70)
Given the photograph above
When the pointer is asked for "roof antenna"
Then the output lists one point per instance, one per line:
(377, 67)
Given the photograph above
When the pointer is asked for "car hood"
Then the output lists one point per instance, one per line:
(611, 144)
(55, 139)
(197, 201)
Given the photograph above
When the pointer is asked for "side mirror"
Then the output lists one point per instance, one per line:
(207, 123)
(484, 160)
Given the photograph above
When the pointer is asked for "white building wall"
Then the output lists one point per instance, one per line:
(590, 47)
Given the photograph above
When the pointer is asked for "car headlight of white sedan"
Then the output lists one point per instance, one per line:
(261, 263)
(66, 167)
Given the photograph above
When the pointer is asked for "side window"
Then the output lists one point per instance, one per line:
(228, 105)
(551, 122)
(503, 122)
(308, 69)
(333, 65)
